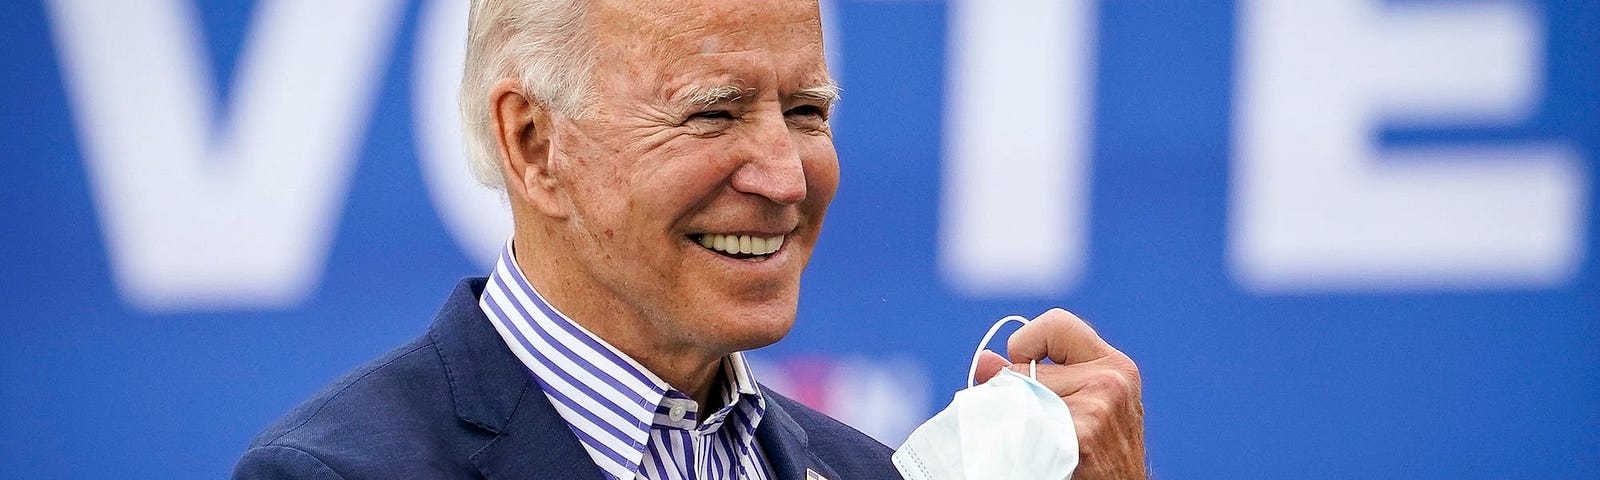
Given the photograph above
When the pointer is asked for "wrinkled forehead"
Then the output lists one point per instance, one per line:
(658, 40)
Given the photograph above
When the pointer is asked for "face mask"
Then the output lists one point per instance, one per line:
(1010, 427)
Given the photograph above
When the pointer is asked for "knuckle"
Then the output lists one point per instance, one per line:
(1101, 409)
(1107, 380)
(1055, 315)
(1090, 408)
(1086, 429)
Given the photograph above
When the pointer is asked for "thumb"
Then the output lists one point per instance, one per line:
(989, 365)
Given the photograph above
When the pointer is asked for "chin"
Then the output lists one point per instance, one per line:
(748, 327)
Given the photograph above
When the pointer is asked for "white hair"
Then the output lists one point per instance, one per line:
(543, 44)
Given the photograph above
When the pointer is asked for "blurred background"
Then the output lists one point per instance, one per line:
(1341, 238)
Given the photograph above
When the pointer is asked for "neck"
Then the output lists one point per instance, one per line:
(693, 371)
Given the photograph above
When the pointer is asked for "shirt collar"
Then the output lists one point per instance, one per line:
(608, 399)
(739, 391)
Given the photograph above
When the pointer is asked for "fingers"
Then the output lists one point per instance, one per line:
(1059, 336)
(989, 365)
(1112, 380)
(1099, 384)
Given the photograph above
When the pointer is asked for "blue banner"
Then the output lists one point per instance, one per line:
(1340, 238)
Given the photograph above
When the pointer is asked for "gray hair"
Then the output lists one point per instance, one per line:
(543, 44)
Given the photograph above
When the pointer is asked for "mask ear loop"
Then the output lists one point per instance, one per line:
(972, 372)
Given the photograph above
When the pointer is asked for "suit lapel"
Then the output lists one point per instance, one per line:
(536, 444)
(787, 445)
(492, 390)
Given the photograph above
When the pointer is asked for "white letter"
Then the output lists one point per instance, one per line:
(206, 213)
(1016, 157)
(1318, 205)
(477, 216)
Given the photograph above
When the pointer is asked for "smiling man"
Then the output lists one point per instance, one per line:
(668, 166)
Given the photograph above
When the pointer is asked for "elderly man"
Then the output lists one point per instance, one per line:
(668, 164)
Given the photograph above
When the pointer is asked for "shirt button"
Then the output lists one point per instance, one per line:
(677, 412)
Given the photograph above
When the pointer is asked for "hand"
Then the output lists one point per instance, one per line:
(1099, 384)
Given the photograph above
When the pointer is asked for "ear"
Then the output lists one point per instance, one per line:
(522, 132)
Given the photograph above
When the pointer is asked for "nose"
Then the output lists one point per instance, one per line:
(773, 168)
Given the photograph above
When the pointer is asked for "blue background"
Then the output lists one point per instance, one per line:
(1471, 384)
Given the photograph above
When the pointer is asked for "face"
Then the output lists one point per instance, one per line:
(698, 179)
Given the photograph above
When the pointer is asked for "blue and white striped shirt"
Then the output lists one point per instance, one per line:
(631, 422)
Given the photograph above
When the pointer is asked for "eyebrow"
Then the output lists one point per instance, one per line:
(827, 93)
(706, 96)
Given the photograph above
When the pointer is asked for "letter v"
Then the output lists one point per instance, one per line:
(239, 217)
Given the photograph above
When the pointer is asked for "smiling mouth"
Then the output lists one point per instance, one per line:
(742, 247)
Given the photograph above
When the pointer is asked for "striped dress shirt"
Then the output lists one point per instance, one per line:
(631, 422)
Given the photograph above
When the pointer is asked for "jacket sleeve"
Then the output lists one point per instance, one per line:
(274, 462)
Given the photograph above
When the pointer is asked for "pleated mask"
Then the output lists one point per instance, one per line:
(1010, 427)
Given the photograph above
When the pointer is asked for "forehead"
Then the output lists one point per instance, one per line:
(751, 41)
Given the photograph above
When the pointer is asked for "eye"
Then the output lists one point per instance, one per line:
(807, 111)
(712, 115)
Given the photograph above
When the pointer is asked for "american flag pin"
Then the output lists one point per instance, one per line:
(813, 475)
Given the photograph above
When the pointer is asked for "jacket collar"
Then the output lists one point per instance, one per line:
(493, 391)
(786, 444)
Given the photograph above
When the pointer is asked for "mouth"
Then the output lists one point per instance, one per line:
(750, 248)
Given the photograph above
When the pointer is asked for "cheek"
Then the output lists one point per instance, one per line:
(618, 187)
(587, 168)
(682, 175)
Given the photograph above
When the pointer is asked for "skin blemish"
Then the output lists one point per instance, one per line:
(710, 45)
(610, 234)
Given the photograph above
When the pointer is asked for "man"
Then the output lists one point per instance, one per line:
(668, 164)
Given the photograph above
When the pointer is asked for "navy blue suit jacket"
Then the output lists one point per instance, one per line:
(456, 403)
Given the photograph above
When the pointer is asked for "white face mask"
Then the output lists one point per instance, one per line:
(1011, 427)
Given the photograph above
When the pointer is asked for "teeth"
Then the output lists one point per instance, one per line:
(742, 244)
